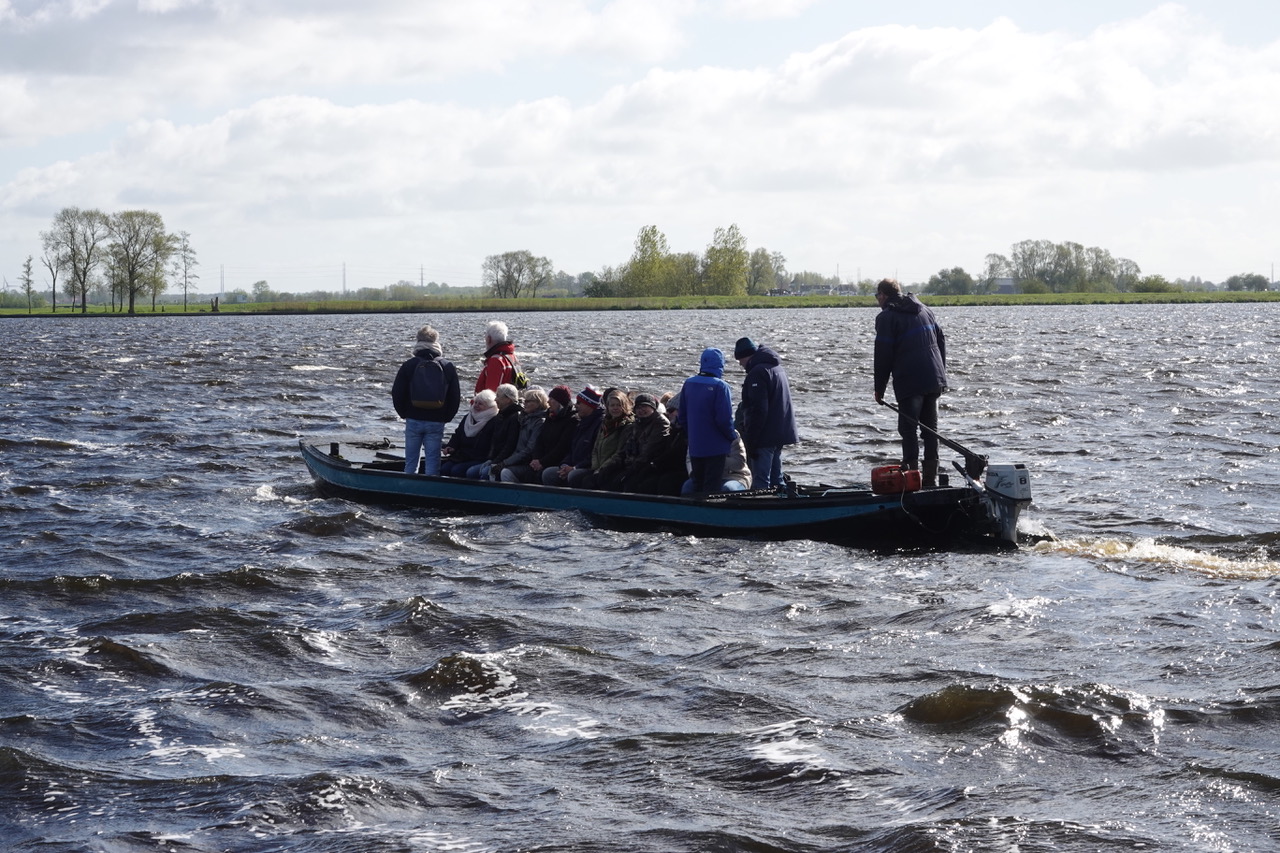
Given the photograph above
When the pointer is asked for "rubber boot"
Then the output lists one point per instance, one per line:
(929, 474)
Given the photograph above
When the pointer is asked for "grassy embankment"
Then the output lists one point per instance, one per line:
(438, 306)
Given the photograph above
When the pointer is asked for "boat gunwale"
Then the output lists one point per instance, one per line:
(753, 513)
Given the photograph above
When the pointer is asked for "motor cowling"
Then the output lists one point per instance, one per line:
(1008, 490)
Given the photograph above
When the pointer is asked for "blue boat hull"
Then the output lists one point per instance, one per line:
(816, 513)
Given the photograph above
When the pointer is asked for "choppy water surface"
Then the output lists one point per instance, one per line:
(198, 653)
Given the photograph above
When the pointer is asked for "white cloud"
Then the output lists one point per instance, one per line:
(109, 63)
(891, 149)
(764, 9)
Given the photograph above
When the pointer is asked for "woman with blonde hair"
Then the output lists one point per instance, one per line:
(532, 418)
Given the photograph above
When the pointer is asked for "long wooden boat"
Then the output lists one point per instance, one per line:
(988, 512)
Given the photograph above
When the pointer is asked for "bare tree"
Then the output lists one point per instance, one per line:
(184, 264)
(140, 245)
(55, 263)
(28, 282)
(156, 283)
(514, 274)
(80, 238)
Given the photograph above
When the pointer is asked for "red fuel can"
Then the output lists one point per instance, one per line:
(892, 480)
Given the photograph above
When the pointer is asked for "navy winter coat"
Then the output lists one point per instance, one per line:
(584, 439)
(769, 420)
(909, 346)
(554, 438)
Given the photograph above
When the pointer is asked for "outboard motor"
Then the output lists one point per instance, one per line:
(1008, 490)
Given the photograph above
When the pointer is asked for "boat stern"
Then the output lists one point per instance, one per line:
(1007, 489)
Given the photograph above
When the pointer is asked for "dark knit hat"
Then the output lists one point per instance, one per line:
(562, 395)
(743, 348)
(646, 400)
(674, 403)
(590, 396)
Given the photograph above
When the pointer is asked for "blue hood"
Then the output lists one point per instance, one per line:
(712, 362)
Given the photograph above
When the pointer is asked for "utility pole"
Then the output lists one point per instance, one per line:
(344, 278)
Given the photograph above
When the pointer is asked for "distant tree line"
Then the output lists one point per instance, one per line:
(402, 291)
(118, 257)
(1042, 266)
(726, 268)
(729, 268)
(128, 255)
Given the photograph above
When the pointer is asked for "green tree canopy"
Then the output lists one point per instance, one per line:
(1061, 267)
(952, 282)
(648, 272)
(727, 263)
(1155, 284)
(1248, 281)
(762, 273)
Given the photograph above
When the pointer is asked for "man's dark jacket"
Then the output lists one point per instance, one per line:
(911, 347)
(769, 420)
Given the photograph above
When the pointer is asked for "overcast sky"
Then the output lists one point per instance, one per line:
(412, 137)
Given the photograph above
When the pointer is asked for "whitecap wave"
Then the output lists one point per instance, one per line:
(1150, 552)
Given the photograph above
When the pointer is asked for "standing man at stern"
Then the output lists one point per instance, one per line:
(911, 348)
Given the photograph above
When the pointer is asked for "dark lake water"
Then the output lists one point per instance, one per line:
(198, 653)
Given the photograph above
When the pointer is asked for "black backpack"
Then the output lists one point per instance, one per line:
(427, 388)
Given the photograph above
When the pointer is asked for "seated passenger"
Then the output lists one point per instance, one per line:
(470, 442)
(669, 468)
(506, 430)
(736, 476)
(531, 421)
(578, 461)
(552, 443)
(617, 422)
(634, 461)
